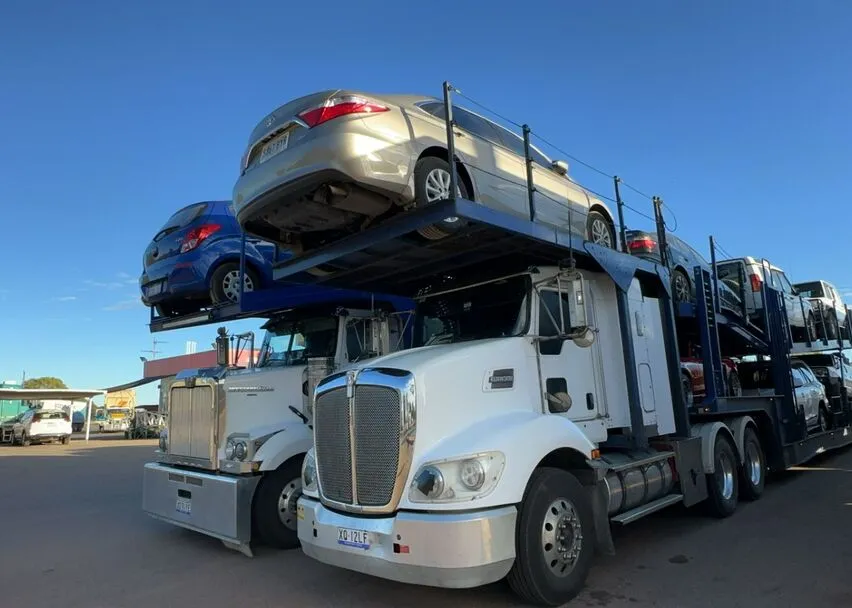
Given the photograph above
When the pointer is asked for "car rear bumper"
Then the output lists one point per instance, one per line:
(456, 550)
(219, 505)
(356, 155)
(183, 275)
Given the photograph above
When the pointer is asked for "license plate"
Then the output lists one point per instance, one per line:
(279, 144)
(359, 539)
(155, 289)
(184, 505)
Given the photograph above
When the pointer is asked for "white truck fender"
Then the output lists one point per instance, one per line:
(708, 431)
(738, 428)
(524, 438)
(292, 440)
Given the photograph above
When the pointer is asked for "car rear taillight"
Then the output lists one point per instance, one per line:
(339, 106)
(645, 244)
(756, 282)
(196, 236)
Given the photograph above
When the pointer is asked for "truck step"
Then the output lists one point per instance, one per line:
(646, 509)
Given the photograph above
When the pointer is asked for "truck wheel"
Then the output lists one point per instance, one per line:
(274, 508)
(554, 539)
(753, 469)
(722, 484)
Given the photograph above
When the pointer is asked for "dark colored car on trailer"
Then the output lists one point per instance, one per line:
(683, 260)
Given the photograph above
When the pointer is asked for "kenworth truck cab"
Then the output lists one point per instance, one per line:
(459, 446)
(229, 461)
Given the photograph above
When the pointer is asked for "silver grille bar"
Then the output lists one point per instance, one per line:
(364, 427)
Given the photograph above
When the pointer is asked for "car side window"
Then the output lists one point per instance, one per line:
(475, 125)
(435, 108)
(781, 280)
(798, 379)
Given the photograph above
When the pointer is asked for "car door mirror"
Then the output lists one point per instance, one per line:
(797, 382)
(560, 167)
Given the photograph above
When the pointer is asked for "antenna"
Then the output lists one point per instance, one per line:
(154, 350)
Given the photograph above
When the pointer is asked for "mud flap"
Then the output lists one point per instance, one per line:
(599, 496)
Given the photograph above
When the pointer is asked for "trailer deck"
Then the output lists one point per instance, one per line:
(392, 256)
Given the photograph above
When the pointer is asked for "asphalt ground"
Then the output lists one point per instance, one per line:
(74, 535)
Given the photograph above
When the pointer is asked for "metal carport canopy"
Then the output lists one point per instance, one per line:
(32, 394)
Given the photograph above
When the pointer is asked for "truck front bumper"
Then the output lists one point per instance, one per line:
(455, 550)
(215, 505)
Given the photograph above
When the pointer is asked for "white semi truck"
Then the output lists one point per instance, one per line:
(229, 461)
(540, 405)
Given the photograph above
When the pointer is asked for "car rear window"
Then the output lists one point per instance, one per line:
(50, 416)
(181, 219)
(810, 290)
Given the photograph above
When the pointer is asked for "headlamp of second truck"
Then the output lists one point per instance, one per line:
(240, 447)
(457, 479)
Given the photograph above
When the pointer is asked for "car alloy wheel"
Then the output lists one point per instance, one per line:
(231, 285)
(438, 189)
(600, 233)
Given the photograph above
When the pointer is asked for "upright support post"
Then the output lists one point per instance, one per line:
(619, 204)
(637, 418)
(716, 302)
(808, 340)
(242, 265)
(681, 415)
(88, 417)
(661, 230)
(529, 162)
(451, 141)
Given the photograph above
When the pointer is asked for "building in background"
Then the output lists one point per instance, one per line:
(9, 408)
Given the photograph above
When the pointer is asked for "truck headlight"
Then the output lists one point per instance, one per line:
(457, 479)
(309, 472)
(240, 450)
(164, 440)
(230, 448)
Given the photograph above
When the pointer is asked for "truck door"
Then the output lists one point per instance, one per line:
(568, 372)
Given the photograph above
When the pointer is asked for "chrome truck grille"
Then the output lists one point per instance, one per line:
(364, 424)
(193, 415)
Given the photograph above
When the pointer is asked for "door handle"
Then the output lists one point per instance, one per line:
(458, 133)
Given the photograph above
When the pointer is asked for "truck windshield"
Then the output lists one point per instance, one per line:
(292, 342)
(492, 310)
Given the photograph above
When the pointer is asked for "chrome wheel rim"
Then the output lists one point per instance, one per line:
(561, 537)
(287, 502)
(681, 288)
(231, 285)
(438, 188)
(600, 233)
(754, 467)
(726, 477)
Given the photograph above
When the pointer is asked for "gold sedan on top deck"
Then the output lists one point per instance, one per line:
(334, 162)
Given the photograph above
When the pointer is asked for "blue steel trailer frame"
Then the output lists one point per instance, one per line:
(392, 257)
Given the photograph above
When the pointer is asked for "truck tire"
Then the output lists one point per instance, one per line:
(722, 484)
(274, 507)
(753, 468)
(554, 539)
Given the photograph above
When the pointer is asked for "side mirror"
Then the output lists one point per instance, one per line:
(560, 167)
(222, 350)
(797, 383)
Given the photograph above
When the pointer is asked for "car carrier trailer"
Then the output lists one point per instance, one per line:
(229, 459)
(508, 442)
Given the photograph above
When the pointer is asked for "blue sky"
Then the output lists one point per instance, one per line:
(115, 115)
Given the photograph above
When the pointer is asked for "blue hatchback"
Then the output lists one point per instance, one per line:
(194, 260)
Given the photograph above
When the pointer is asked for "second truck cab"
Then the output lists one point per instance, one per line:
(229, 461)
